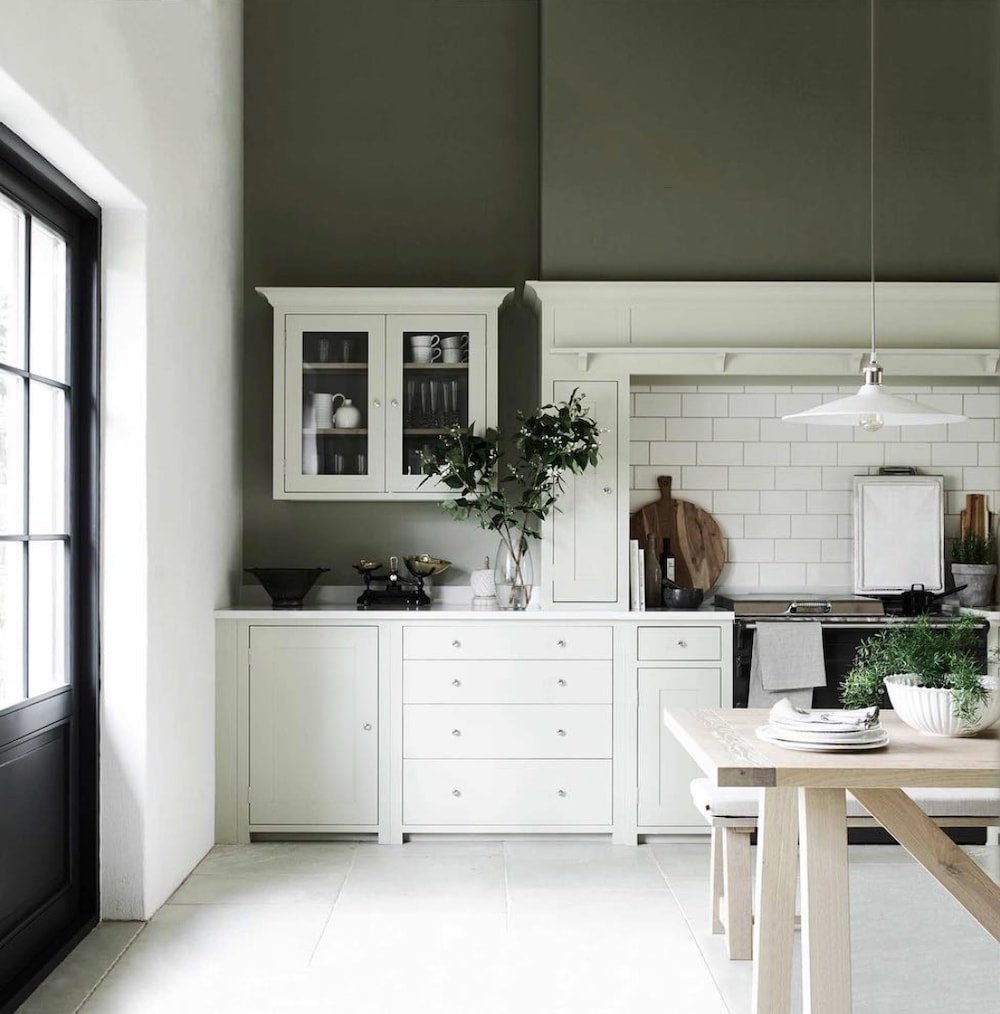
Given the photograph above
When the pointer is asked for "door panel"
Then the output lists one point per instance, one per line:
(313, 725)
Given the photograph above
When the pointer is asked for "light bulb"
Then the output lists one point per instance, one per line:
(871, 421)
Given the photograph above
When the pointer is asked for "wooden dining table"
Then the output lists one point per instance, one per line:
(802, 824)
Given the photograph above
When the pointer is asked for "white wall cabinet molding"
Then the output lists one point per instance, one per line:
(332, 722)
(367, 379)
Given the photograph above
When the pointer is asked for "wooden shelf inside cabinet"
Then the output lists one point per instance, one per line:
(422, 432)
(436, 366)
(335, 433)
(334, 367)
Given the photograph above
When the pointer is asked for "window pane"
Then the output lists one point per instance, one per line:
(47, 460)
(48, 303)
(11, 283)
(11, 623)
(11, 454)
(46, 616)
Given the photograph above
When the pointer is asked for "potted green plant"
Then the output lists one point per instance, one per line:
(974, 564)
(934, 682)
(509, 487)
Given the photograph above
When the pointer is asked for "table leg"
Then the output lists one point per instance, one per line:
(774, 925)
(826, 921)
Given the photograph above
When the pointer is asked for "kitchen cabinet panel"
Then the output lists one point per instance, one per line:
(665, 768)
(680, 644)
(496, 641)
(507, 682)
(313, 730)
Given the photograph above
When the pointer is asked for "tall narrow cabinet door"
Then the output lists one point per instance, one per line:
(665, 768)
(314, 725)
(585, 527)
(436, 378)
(334, 417)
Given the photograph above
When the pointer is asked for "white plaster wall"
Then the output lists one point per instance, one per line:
(141, 103)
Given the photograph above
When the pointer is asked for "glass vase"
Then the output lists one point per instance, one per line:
(513, 573)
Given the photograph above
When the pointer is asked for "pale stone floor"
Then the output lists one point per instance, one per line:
(553, 927)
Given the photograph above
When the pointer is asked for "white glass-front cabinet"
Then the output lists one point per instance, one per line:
(365, 380)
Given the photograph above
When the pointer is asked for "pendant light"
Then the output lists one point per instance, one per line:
(873, 407)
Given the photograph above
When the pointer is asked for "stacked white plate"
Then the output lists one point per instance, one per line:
(820, 731)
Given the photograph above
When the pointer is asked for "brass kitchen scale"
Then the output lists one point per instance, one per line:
(392, 590)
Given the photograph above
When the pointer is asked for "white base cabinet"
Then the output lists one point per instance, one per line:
(313, 728)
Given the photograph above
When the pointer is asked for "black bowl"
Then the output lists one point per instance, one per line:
(287, 586)
(682, 598)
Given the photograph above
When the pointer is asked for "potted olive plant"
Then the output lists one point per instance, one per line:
(508, 488)
(974, 564)
(933, 679)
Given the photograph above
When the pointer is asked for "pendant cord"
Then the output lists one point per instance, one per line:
(871, 162)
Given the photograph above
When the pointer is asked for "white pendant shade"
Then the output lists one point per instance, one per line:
(871, 408)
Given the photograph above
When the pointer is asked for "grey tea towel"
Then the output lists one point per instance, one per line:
(787, 662)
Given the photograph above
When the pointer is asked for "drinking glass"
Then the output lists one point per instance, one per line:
(346, 350)
(323, 350)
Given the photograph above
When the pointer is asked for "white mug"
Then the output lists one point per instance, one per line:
(418, 341)
(456, 341)
(426, 354)
(322, 406)
(452, 355)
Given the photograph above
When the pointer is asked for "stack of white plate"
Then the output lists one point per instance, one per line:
(830, 730)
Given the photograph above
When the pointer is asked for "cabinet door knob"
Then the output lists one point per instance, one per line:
(560, 732)
(376, 403)
(560, 643)
(561, 792)
(456, 792)
(682, 644)
(456, 683)
(456, 732)
(456, 644)
(606, 490)
(394, 403)
(367, 726)
(560, 683)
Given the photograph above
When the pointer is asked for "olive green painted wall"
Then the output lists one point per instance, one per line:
(397, 142)
(387, 142)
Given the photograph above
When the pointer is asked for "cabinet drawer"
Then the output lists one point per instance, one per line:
(506, 640)
(703, 644)
(507, 730)
(507, 792)
(506, 682)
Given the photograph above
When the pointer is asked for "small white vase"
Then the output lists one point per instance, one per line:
(483, 584)
(931, 709)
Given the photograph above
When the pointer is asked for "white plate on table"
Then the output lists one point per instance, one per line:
(765, 733)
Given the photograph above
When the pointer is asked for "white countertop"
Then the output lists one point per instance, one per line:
(465, 612)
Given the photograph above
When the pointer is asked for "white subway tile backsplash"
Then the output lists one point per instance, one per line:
(767, 526)
(814, 526)
(705, 477)
(657, 404)
(711, 405)
(785, 502)
(751, 478)
(799, 477)
(737, 501)
(647, 428)
(814, 454)
(782, 491)
(689, 429)
(722, 453)
(672, 452)
(767, 454)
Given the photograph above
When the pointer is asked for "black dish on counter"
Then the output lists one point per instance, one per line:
(287, 586)
(682, 598)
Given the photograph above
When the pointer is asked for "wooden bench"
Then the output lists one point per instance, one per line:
(732, 815)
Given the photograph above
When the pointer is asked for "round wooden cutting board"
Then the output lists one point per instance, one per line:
(696, 540)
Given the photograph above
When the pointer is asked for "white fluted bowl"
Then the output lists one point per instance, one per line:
(931, 709)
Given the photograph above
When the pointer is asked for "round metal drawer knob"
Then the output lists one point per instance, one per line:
(394, 403)
(376, 403)
(456, 644)
(456, 792)
(456, 683)
(560, 732)
(682, 644)
(560, 683)
(367, 726)
(456, 732)
(560, 643)
(606, 490)
(561, 792)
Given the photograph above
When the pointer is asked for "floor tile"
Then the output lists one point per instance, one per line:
(683, 860)
(593, 866)
(70, 984)
(278, 858)
(250, 889)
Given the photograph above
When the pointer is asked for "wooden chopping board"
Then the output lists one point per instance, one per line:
(695, 537)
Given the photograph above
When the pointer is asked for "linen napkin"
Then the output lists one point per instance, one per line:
(786, 715)
(786, 657)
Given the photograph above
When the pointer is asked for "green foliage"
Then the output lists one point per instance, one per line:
(971, 548)
(939, 656)
(509, 489)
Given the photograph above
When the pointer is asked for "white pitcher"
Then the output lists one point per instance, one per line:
(348, 416)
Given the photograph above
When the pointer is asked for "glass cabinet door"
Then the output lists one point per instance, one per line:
(435, 379)
(334, 419)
